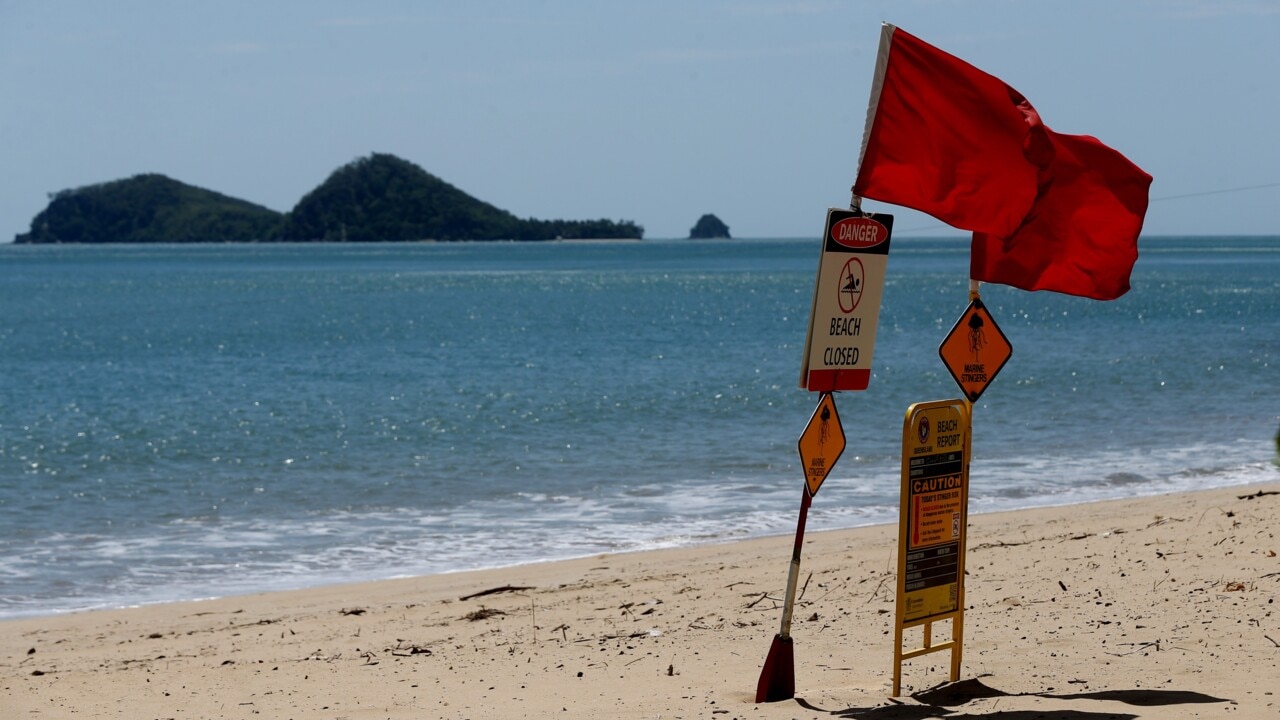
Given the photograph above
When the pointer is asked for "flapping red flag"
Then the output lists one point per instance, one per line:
(1048, 211)
(943, 137)
(1081, 236)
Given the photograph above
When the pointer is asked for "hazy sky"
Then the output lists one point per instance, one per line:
(649, 111)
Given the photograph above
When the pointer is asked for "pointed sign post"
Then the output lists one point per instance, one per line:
(820, 446)
(837, 357)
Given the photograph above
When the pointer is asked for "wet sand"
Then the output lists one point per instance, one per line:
(1155, 607)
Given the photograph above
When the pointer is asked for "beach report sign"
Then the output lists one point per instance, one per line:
(846, 301)
(931, 533)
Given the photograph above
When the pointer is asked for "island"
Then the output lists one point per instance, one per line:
(149, 208)
(376, 198)
(709, 226)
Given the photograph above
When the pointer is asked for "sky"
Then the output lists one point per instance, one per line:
(655, 112)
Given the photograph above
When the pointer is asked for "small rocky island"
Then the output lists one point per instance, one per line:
(376, 198)
(709, 226)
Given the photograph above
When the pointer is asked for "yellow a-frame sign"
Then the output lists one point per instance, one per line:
(931, 531)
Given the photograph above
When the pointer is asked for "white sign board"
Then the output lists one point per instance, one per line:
(846, 301)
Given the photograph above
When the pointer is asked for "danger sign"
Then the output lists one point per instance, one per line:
(846, 301)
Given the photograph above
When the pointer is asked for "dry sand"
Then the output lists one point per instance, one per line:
(1156, 607)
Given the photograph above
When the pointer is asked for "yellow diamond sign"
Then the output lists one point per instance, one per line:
(975, 350)
(821, 443)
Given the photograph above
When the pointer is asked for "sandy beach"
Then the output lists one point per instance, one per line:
(1154, 607)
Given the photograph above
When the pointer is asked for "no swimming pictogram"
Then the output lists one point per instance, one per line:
(852, 277)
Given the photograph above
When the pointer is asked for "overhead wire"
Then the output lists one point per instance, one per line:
(1184, 196)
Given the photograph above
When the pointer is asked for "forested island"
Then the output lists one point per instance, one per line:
(376, 198)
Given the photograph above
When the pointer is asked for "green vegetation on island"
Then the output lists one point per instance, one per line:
(149, 209)
(382, 197)
(376, 198)
(709, 226)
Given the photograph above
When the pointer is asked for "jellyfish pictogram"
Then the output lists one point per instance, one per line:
(823, 429)
(977, 340)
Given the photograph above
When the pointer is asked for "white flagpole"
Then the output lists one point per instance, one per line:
(877, 85)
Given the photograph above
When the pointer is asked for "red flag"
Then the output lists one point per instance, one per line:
(943, 138)
(1081, 236)
(1048, 211)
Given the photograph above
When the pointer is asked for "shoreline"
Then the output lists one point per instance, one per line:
(367, 576)
(1155, 606)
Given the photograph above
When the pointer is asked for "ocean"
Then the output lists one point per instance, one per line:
(185, 422)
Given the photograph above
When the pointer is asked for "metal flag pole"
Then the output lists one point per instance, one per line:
(820, 446)
(778, 678)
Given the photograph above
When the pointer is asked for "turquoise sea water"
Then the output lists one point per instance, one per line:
(179, 422)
